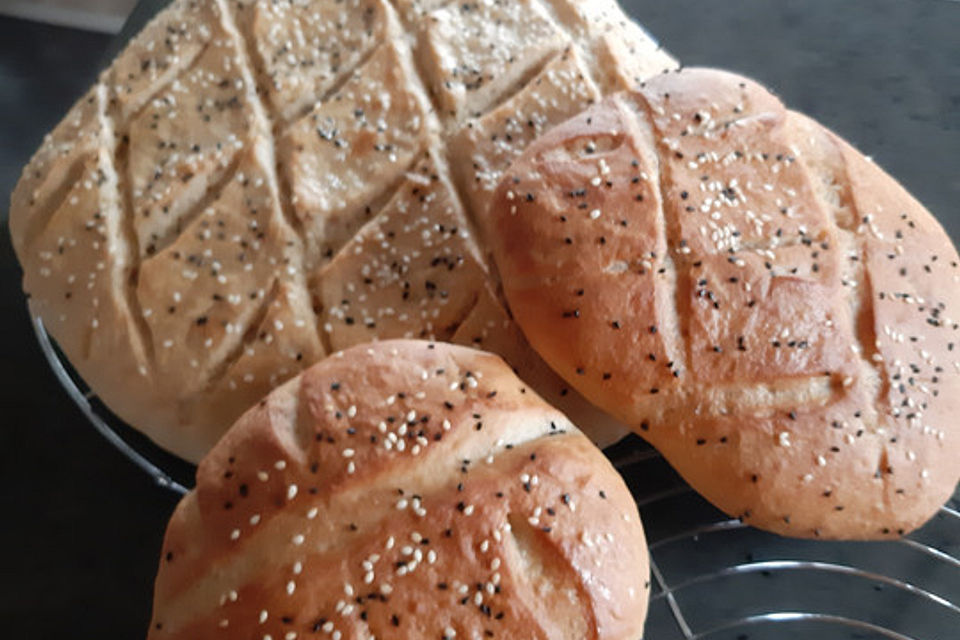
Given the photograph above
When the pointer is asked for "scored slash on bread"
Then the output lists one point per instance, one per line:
(767, 307)
(253, 184)
(407, 490)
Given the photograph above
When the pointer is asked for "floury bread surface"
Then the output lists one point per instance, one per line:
(766, 306)
(253, 184)
(404, 490)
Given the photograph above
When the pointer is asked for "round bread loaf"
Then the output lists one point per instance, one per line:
(762, 303)
(253, 184)
(404, 490)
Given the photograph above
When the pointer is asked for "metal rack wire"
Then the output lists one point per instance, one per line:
(716, 578)
(713, 578)
(134, 446)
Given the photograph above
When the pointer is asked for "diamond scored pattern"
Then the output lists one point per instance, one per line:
(286, 186)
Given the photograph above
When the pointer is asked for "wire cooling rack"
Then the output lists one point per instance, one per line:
(716, 578)
(712, 577)
(168, 471)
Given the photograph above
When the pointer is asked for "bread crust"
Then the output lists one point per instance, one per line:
(404, 489)
(761, 302)
(250, 183)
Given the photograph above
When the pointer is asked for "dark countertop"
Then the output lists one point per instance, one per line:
(81, 526)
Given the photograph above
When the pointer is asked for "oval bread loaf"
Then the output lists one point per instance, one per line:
(253, 184)
(765, 305)
(404, 490)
